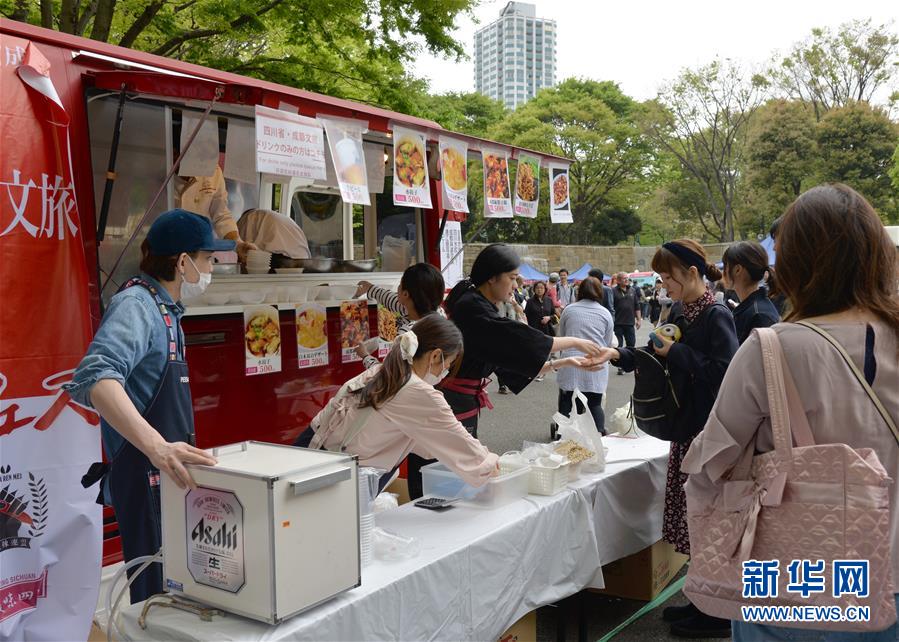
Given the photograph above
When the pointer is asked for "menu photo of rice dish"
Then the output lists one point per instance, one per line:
(353, 328)
(262, 339)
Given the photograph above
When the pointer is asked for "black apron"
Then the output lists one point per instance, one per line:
(133, 480)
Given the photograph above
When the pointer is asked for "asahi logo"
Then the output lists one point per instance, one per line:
(222, 536)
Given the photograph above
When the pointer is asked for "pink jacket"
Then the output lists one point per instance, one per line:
(418, 419)
(835, 403)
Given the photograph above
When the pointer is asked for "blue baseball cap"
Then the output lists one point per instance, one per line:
(178, 231)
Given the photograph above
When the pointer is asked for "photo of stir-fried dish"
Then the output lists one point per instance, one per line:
(526, 180)
(386, 324)
(311, 328)
(263, 336)
(455, 173)
(560, 189)
(410, 163)
(353, 323)
(497, 176)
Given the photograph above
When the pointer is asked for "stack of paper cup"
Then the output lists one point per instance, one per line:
(258, 262)
(366, 526)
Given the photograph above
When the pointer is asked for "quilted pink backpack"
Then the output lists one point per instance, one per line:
(809, 502)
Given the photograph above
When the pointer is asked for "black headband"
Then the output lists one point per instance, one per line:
(687, 256)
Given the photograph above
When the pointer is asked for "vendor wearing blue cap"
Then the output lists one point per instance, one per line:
(134, 374)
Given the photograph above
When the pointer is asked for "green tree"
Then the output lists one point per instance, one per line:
(469, 113)
(830, 70)
(856, 145)
(894, 170)
(701, 120)
(780, 161)
(355, 48)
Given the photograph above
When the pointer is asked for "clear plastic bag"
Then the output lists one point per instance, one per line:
(580, 428)
(390, 547)
(385, 501)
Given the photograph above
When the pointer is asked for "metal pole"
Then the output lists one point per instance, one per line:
(110, 169)
(218, 94)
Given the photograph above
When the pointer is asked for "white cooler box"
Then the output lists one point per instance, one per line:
(270, 531)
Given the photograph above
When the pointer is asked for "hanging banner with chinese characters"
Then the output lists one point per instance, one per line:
(410, 169)
(497, 199)
(454, 173)
(527, 186)
(50, 526)
(353, 328)
(262, 339)
(560, 194)
(312, 335)
(451, 253)
(289, 145)
(345, 142)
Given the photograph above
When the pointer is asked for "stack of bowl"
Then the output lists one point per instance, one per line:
(259, 262)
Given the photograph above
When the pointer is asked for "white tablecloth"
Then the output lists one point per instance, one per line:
(479, 570)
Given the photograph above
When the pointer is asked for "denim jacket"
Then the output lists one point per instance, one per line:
(131, 346)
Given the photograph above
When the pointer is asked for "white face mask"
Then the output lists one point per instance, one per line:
(193, 290)
(433, 379)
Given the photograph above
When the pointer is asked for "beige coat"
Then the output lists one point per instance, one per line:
(207, 196)
(835, 403)
(418, 419)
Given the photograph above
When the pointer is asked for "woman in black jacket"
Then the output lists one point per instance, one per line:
(539, 309)
(745, 265)
(697, 364)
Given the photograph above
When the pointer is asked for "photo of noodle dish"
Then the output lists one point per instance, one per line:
(263, 334)
(560, 190)
(386, 324)
(526, 180)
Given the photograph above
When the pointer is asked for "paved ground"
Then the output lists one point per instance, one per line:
(526, 417)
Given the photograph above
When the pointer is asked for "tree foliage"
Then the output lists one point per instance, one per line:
(357, 49)
(856, 144)
(833, 69)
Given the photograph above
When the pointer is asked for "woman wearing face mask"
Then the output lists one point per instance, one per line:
(392, 409)
(135, 376)
(494, 343)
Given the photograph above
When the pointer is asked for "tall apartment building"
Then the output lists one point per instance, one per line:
(515, 56)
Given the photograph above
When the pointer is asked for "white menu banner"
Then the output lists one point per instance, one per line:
(527, 186)
(262, 339)
(312, 335)
(559, 194)
(451, 246)
(289, 145)
(454, 173)
(410, 168)
(497, 197)
(345, 143)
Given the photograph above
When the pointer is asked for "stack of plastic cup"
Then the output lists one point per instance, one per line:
(368, 490)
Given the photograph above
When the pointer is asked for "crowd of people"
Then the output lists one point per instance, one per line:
(836, 267)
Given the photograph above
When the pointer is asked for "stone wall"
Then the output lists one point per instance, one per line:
(616, 258)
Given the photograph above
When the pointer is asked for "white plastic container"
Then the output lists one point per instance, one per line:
(270, 531)
(440, 481)
(542, 480)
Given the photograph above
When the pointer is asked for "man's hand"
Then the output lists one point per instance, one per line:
(362, 288)
(170, 458)
(589, 348)
(590, 364)
(242, 248)
(360, 349)
(544, 320)
(608, 354)
(639, 322)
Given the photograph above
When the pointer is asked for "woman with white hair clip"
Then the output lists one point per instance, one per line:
(393, 409)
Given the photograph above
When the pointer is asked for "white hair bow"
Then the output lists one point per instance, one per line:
(408, 345)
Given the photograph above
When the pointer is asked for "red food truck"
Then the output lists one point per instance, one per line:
(130, 117)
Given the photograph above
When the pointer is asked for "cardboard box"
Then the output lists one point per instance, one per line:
(400, 487)
(524, 630)
(643, 575)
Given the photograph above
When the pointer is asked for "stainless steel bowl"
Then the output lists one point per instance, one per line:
(317, 264)
(357, 265)
(226, 268)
